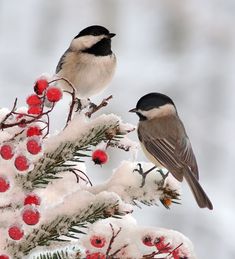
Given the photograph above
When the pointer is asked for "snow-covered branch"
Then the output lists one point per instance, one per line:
(126, 183)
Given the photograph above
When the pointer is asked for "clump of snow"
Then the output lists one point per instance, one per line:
(126, 183)
(78, 128)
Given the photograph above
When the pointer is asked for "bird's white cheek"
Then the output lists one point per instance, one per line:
(85, 42)
(150, 157)
(167, 109)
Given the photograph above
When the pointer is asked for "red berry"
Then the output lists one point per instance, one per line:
(53, 94)
(4, 184)
(161, 246)
(31, 216)
(6, 151)
(32, 199)
(21, 163)
(40, 86)
(147, 240)
(99, 157)
(33, 131)
(33, 100)
(96, 256)
(15, 232)
(36, 110)
(97, 241)
(33, 147)
(4, 257)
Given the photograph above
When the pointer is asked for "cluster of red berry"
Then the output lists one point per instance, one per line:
(30, 216)
(44, 95)
(162, 246)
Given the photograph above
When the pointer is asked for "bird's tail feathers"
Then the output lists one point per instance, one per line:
(201, 197)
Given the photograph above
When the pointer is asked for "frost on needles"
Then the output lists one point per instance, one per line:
(49, 206)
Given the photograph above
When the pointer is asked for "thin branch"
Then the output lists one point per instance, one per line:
(95, 108)
(114, 235)
(10, 113)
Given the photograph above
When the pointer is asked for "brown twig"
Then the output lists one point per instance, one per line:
(175, 248)
(10, 113)
(79, 176)
(6, 206)
(95, 108)
(73, 97)
(112, 238)
(118, 145)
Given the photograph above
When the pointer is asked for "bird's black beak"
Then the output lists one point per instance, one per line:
(111, 35)
(133, 110)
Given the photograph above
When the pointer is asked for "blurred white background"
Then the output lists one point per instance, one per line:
(185, 49)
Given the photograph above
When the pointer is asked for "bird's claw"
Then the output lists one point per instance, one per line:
(142, 173)
(79, 104)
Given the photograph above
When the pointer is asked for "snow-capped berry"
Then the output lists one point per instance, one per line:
(33, 100)
(161, 245)
(35, 110)
(31, 216)
(97, 241)
(147, 240)
(21, 163)
(15, 232)
(40, 86)
(99, 157)
(4, 184)
(32, 199)
(33, 131)
(33, 146)
(54, 94)
(96, 256)
(4, 256)
(6, 151)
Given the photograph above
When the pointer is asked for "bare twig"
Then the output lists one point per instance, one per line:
(10, 113)
(86, 179)
(95, 108)
(73, 97)
(114, 235)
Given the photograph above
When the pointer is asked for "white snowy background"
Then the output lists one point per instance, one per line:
(185, 49)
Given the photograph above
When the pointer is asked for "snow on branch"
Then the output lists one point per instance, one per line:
(126, 183)
(71, 144)
(68, 219)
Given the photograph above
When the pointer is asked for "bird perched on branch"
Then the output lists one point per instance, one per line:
(165, 143)
(89, 63)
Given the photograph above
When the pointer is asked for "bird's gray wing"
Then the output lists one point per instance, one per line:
(61, 61)
(164, 152)
(185, 152)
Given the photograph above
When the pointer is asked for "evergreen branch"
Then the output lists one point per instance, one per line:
(53, 255)
(66, 226)
(53, 163)
(59, 254)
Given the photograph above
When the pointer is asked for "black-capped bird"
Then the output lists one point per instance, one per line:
(165, 142)
(89, 63)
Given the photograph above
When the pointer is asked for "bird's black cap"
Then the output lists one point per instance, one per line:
(153, 100)
(95, 30)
